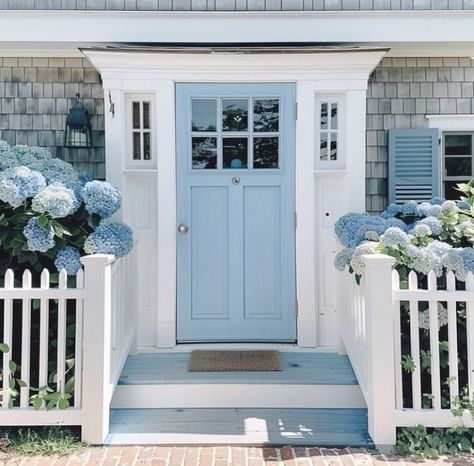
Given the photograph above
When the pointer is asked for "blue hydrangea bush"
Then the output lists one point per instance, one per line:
(51, 215)
(438, 236)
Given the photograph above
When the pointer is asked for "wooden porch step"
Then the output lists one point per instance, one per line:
(321, 427)
(307, 380)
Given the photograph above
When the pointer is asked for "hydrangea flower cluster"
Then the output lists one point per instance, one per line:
(48, 207)
(68, 259)
(101, 198)
(436, 235)
(38, 239)
(55, 200)
(19, 183)
(110, 237)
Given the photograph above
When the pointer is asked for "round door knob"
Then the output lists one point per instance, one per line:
(183, 228)
(236, 180)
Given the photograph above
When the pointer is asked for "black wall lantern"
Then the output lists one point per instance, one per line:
(78, 127)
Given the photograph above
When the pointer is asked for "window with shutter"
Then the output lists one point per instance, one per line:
(413, 165)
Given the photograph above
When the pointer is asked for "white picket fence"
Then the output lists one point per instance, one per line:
(101, 304)
(371, 333)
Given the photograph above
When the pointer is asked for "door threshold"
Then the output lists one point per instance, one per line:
(188, 347)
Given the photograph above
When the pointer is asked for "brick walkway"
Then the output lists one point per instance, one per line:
(225, 456)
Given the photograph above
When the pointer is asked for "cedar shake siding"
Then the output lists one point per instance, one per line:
(35, 97)
(402, 91)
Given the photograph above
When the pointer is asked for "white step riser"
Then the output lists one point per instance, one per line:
(237, 396)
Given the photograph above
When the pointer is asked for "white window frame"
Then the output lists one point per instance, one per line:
(459, 124)
(130, 162)
(339, 163)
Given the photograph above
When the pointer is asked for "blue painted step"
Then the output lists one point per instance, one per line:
(310, 427)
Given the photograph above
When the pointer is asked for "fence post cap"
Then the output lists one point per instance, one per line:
(378, 260)
(97, 259)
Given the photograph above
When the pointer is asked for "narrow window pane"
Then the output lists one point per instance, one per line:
(137, 154)
(136, 115)
(204, 114)
(458, 166)
(266, 115)
(333, 116)
(265, 152)
(234, 152)
(204, 153)
(323, 147)
(235, 114)
(450, 191)
(333, 152)
(146, 146)
(458, 144)
(324, 116)
(146, 115)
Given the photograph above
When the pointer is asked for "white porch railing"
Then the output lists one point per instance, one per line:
(371, 331)
(89, 355)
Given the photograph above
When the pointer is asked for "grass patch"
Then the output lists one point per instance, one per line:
(41, 441)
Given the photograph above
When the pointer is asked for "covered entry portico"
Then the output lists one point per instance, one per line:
(323, 188)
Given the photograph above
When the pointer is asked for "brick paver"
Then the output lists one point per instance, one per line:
(226, 456)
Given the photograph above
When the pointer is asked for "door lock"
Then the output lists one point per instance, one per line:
(236, 180)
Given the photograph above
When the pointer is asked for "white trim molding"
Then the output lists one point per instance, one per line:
(329, 73)
(68, 26)
(451, 122)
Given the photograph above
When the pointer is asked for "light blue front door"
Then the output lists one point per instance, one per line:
(235, 218)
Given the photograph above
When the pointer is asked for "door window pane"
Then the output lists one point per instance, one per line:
(458, 144)
(136, 147)
(266, 115)
(333, 116)
(204, 114)
(146, 115)
(136, 115)
(204, 153)
(234, 151)
(323, 146)
(265, 152)
(458, 166)
(324, 116)
(146, 146)
(234, 114)
(333, 153)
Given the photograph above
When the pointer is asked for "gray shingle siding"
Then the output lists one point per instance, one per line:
(401, 92)
(35, 96)
(237, 5)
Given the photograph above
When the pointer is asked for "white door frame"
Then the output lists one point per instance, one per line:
(343, 74)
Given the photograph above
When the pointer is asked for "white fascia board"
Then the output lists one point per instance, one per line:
(236, 27)
(339, 70)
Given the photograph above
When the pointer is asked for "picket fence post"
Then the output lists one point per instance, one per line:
(380, 349)
(96, 347)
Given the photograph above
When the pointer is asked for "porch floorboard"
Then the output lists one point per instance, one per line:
(305, 368)
(322, 427)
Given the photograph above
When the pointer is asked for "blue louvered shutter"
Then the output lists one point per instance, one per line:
(413, 165)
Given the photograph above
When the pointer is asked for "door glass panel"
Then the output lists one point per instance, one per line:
(458, 166)
(333, 153)
(266, 115)
(265, 152)
(146, 115)
(136, 115)
(146, 146)
(204, 114)
(450, 191)
(136, 146)
(324, 116)
(234, 114)
(458, 144)
(323, 153)
(204, 152)
(333, 116)
(234, 151)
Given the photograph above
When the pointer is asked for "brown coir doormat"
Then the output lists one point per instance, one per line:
(234, 361)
